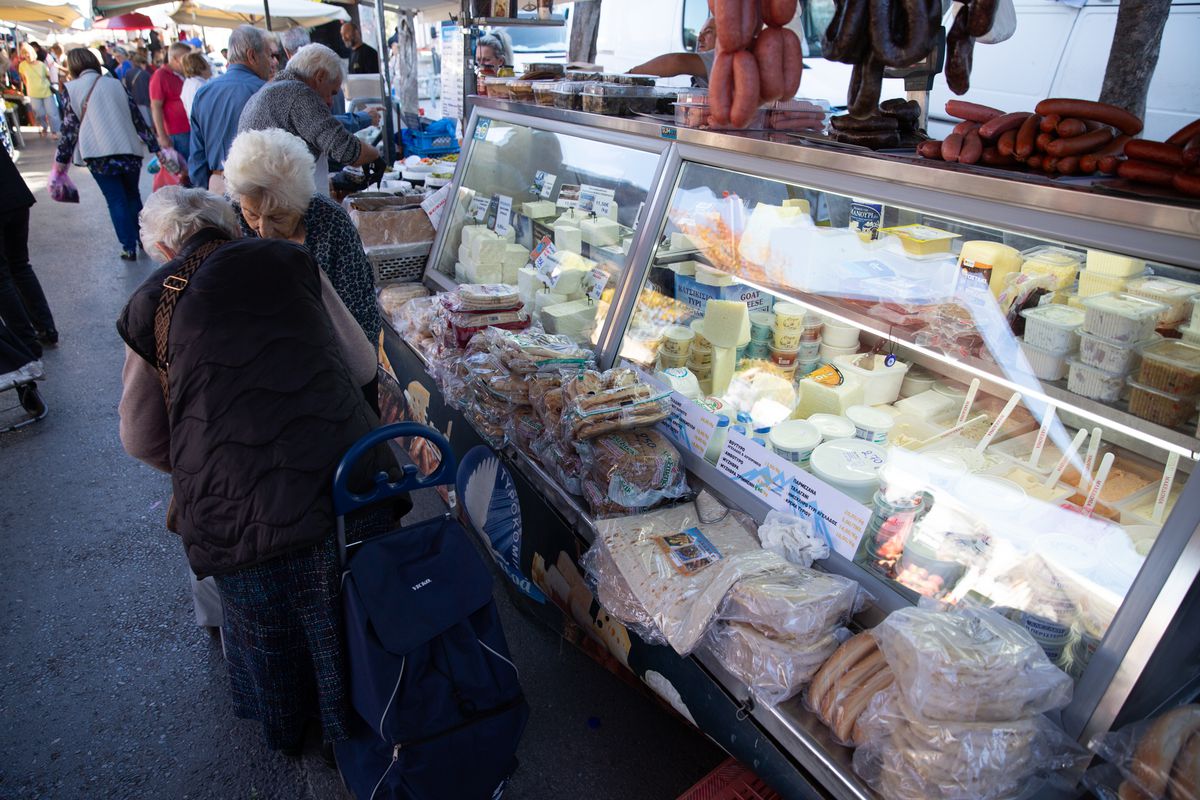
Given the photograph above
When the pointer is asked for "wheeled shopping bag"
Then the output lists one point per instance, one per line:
(437, 702)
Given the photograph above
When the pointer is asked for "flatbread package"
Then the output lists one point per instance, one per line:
(774, 669)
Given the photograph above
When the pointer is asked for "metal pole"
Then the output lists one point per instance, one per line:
(267, 12)
(385, 85)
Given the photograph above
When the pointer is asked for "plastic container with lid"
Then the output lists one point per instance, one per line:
(789, 317)
(922, 240)
(619, 99)
(1175, 295)
(717, 442)
(839, 334)
(1121, 317)
(916, 380)
(629, 79)
(1059, 262)
(543, 92)
(522, 90)
(692, 115)
(495, 86)
(1047, 365)
(1096, 351)
(870, 424)
(833, 426)
(786, 359)
(1112, 264)
(1159, 407)
(795, 440)
(850, 465)
(812, 330)
(1170, 366)
(829, 352)
(786, 340)
(1088, 381)
(1094, 283)
(761, 323)
(1053, 328)
(569, 94)
(692, 95)
(882, 383)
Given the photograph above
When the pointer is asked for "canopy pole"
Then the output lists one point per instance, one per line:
(385, 85)
(267, 12)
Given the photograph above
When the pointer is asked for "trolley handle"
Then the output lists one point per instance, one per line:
(345, 501)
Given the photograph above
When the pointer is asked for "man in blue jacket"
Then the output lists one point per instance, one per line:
(219, 102)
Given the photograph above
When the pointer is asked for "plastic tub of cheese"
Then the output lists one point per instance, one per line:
(916, 380)
(871, 424)
(795, 440)
(851, 466)
(569, 95)
(1093, 382)
(1127, 477)
(922, 240)
(839, 334)
(1122, 357)
(1032, 483)
(881, 383)
(1138, 508)
(1121, 317)
(1159, 407)
(1053, 327)
(1047, 365)
(832, 426)
(497, 87)
(1057, 262)
(1175, 295)
(1170, 366)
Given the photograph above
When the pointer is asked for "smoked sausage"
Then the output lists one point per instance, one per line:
(1158, 152)
(735, 20)
(1049, 123)
(1006, 144)
(777, 13)
(1068, 165)
(793, 63)
(1090, 109)
(720, 89)
(972, 149)
(1080, 145)
(746, 89)
(1146, 172)
(1027, 136)
(846, 38)
(931, 148)
(965, 127)
(1188, 184)
(1043, 141)
(959, 55)
(982, 15)
(913, 20)
(961, 109)
(1185, 134)
(952, 147)
(768, 53)
(1069, 127)
(1091, 162)
(1108, 164)
(994, 158)
(1005, 122)
(866, 83)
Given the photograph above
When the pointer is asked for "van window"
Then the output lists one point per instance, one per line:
(695, 12)
(816, 16)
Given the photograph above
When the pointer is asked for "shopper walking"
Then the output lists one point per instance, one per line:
(258, 518)
(268, 175)
(23, 306)
(196, 71)
(218, 105)
(166, 101)
(36, 77)
(19, 369)
(298, 101)
(104, 130)
(137, 83)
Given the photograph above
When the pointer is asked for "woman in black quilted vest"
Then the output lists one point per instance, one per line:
(248, 403)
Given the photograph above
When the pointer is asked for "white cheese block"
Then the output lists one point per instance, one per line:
(488, 249)
(613, 209)
(515, 256)
(508, 274)
(485, 273)
(570, 281)
(543, 299)
(574, 318)
(600, 231)
(568, 237)
(472, 232)
(464, 255)
(818, 398)
(724, 322)
(681, 241)
(538, 209)
(528, 284)
(460, 273)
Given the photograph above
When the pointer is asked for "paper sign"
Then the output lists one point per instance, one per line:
(543, 184)
(595, 199)
(503, 214)
(598, 282)
(786, 487)
(568, 196)
(690, 425)
(542, 257)
(435, 206)
(479, 207)
(689, 551)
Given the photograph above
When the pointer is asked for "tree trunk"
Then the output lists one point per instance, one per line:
(1134, 53)
(585, 24)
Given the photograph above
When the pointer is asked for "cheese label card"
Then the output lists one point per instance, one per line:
(688, 551)
(543, 184)
(595, 199)
(503, 214)
(598, 282)
(435, 206)
(543, 256)
(479, 207)
(568, 196)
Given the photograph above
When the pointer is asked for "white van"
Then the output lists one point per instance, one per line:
(1059, 50)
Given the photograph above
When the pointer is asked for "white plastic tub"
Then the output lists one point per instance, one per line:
(1053, 328)
(832, 426)
(1121, 317)
(1121, 357)
(1088, 381)
(1047, 365)
(851, 466)
(871, 424)
(795, 440)
(881, 385)
(839, 334)
(1175, 295)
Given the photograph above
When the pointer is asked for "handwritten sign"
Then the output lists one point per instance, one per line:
(434, 206)
(503, 214)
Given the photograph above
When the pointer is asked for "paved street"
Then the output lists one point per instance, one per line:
(109, 690)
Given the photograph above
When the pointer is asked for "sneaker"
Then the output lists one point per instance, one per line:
(129, 255)
(31, 400)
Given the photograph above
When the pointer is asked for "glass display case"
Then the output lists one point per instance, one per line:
(551, 209)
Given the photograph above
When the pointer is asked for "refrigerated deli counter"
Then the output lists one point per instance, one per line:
(974, 390)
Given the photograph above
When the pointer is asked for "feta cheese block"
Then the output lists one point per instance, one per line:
(544, 299)
(570, 281)
(515, 257)
(600, 231)
(509, 274)
(538, 209)
(567, 236)
(528, 283)
(486, 273)
(460, 273)
(575, 318)
(488, 249)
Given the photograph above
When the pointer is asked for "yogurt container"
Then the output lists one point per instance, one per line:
(789, 317)
(1094, 382)
(829, 352)
(850, 465)
(809, 351)
(916, 380)
(677, 340)
(811, 332)
(839, 334)
(1096, 351)
(786, 340)
(668, 361)
(785, 359)
(1053, 327)
(1175, 295)
(1047, 365)
(795, 440)
(761, 323)
(832, 426)
(757, 349)
(1121, 317)
(870, 424)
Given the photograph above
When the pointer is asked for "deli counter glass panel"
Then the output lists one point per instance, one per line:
(549, 213)
(968, 413)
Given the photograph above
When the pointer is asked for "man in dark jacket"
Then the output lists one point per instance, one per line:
(23, 306)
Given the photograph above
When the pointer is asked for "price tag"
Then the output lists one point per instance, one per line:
(598, 282)
(690, 425)
(786, 487)
(503, 214)
(543, 256)
(479, 207)
(434, 206)
(543, 184)
(568, 196)
(595, 199)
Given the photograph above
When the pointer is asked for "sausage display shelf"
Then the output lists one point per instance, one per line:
(894, 285)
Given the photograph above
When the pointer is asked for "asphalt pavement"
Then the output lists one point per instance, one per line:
(109, 689)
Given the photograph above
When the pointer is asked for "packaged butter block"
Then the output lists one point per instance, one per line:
(538, 209)
(599, 232)
(567, 236)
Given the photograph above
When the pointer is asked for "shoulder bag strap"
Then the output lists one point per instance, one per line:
(83, 107)
(173, 288)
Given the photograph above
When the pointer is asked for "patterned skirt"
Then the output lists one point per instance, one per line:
(284, 644)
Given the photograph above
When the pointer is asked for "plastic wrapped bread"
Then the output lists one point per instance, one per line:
(774, 669)
(800, 604)
(535, 351)
(597, 403)
(634, 469)
(969, 664)
(615, 596)
(1156, 758)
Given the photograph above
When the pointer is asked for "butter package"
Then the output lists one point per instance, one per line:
(922, 240)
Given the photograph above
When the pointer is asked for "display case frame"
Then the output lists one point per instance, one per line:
(1158, 231)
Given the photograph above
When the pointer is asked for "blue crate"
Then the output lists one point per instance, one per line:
(431, 144)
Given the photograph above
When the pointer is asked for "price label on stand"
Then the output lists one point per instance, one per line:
(542, 256)
(596, 199)
(434, 206)
(784, 486)
(543, 184)
(503, 214)
(598, 282)
(568, 196)
(479, 207)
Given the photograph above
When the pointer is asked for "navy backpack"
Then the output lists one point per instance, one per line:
(438, 706)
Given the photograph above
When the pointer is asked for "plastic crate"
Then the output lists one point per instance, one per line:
(731, 781)
(429, 144)
(398, 263)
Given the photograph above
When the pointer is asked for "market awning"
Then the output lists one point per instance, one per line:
(38, 12)
(125, 22)
(232, 13)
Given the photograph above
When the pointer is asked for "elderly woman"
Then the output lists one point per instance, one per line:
(298, 100)
(268, 174)
(248, 402)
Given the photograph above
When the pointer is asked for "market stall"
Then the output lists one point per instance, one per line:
(941, 383)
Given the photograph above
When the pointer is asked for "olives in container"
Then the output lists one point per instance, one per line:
(569, 95)
(617, 100)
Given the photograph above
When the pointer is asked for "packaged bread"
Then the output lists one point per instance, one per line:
(801, 604)
(483, 297)
(535, 351)
(1155, 758)
(639, 468)
(774, 669)
(526, 427)
(488, 414)
(615, 596)
(969, 664)
(618, 405)
(600, 505)
(561, 462)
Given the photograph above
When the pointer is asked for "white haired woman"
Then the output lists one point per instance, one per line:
(268, 174)
(298, 100)
(248, 396)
